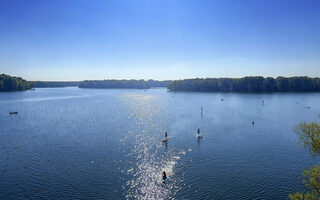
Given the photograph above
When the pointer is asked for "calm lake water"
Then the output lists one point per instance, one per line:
(71, 143)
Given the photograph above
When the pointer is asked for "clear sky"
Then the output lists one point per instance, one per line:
(158, 39)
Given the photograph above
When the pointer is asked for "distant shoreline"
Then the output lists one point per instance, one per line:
(247, 85)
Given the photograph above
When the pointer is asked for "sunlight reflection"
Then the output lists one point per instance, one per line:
(147, 150)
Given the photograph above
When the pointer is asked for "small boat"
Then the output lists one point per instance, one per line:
(13, 113)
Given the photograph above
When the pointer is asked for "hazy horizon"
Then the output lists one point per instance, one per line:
(160, 40)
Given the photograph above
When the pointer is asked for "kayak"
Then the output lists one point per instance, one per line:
(165, 139)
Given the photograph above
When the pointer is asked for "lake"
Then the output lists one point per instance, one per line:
(71, 143)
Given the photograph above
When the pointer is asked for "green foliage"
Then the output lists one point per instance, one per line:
(247, 84)
(154, 83)
(133, 84)
(300, 196)
(312, 183)
(46, 84)
(11, 83)
(102, 84)
(309, 135)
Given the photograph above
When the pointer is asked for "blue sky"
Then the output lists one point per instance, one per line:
(158, 39)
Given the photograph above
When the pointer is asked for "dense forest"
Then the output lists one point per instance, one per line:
(9, 83)
(131, 84)
(46, 84)
(248, 84)
(119, 84)
(245, 84)
(154, 83)
(12, 83)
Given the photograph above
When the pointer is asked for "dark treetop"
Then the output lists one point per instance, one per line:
(12, 83)
(248, 84)
(46, 84)
(134, 84)
(154, 83)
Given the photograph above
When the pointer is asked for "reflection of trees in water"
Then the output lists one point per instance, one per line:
(309, 135)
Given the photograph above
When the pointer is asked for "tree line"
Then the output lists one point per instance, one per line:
(46, 84)
(133, 84)
(12, 83)
(245, 84)
(248, 84)
(154, 83)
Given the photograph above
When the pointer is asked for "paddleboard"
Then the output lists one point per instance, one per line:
(165, 139)
(165, 180)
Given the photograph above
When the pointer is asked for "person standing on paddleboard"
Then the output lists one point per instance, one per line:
(165, 134)
(198, 131)
(164, 175)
